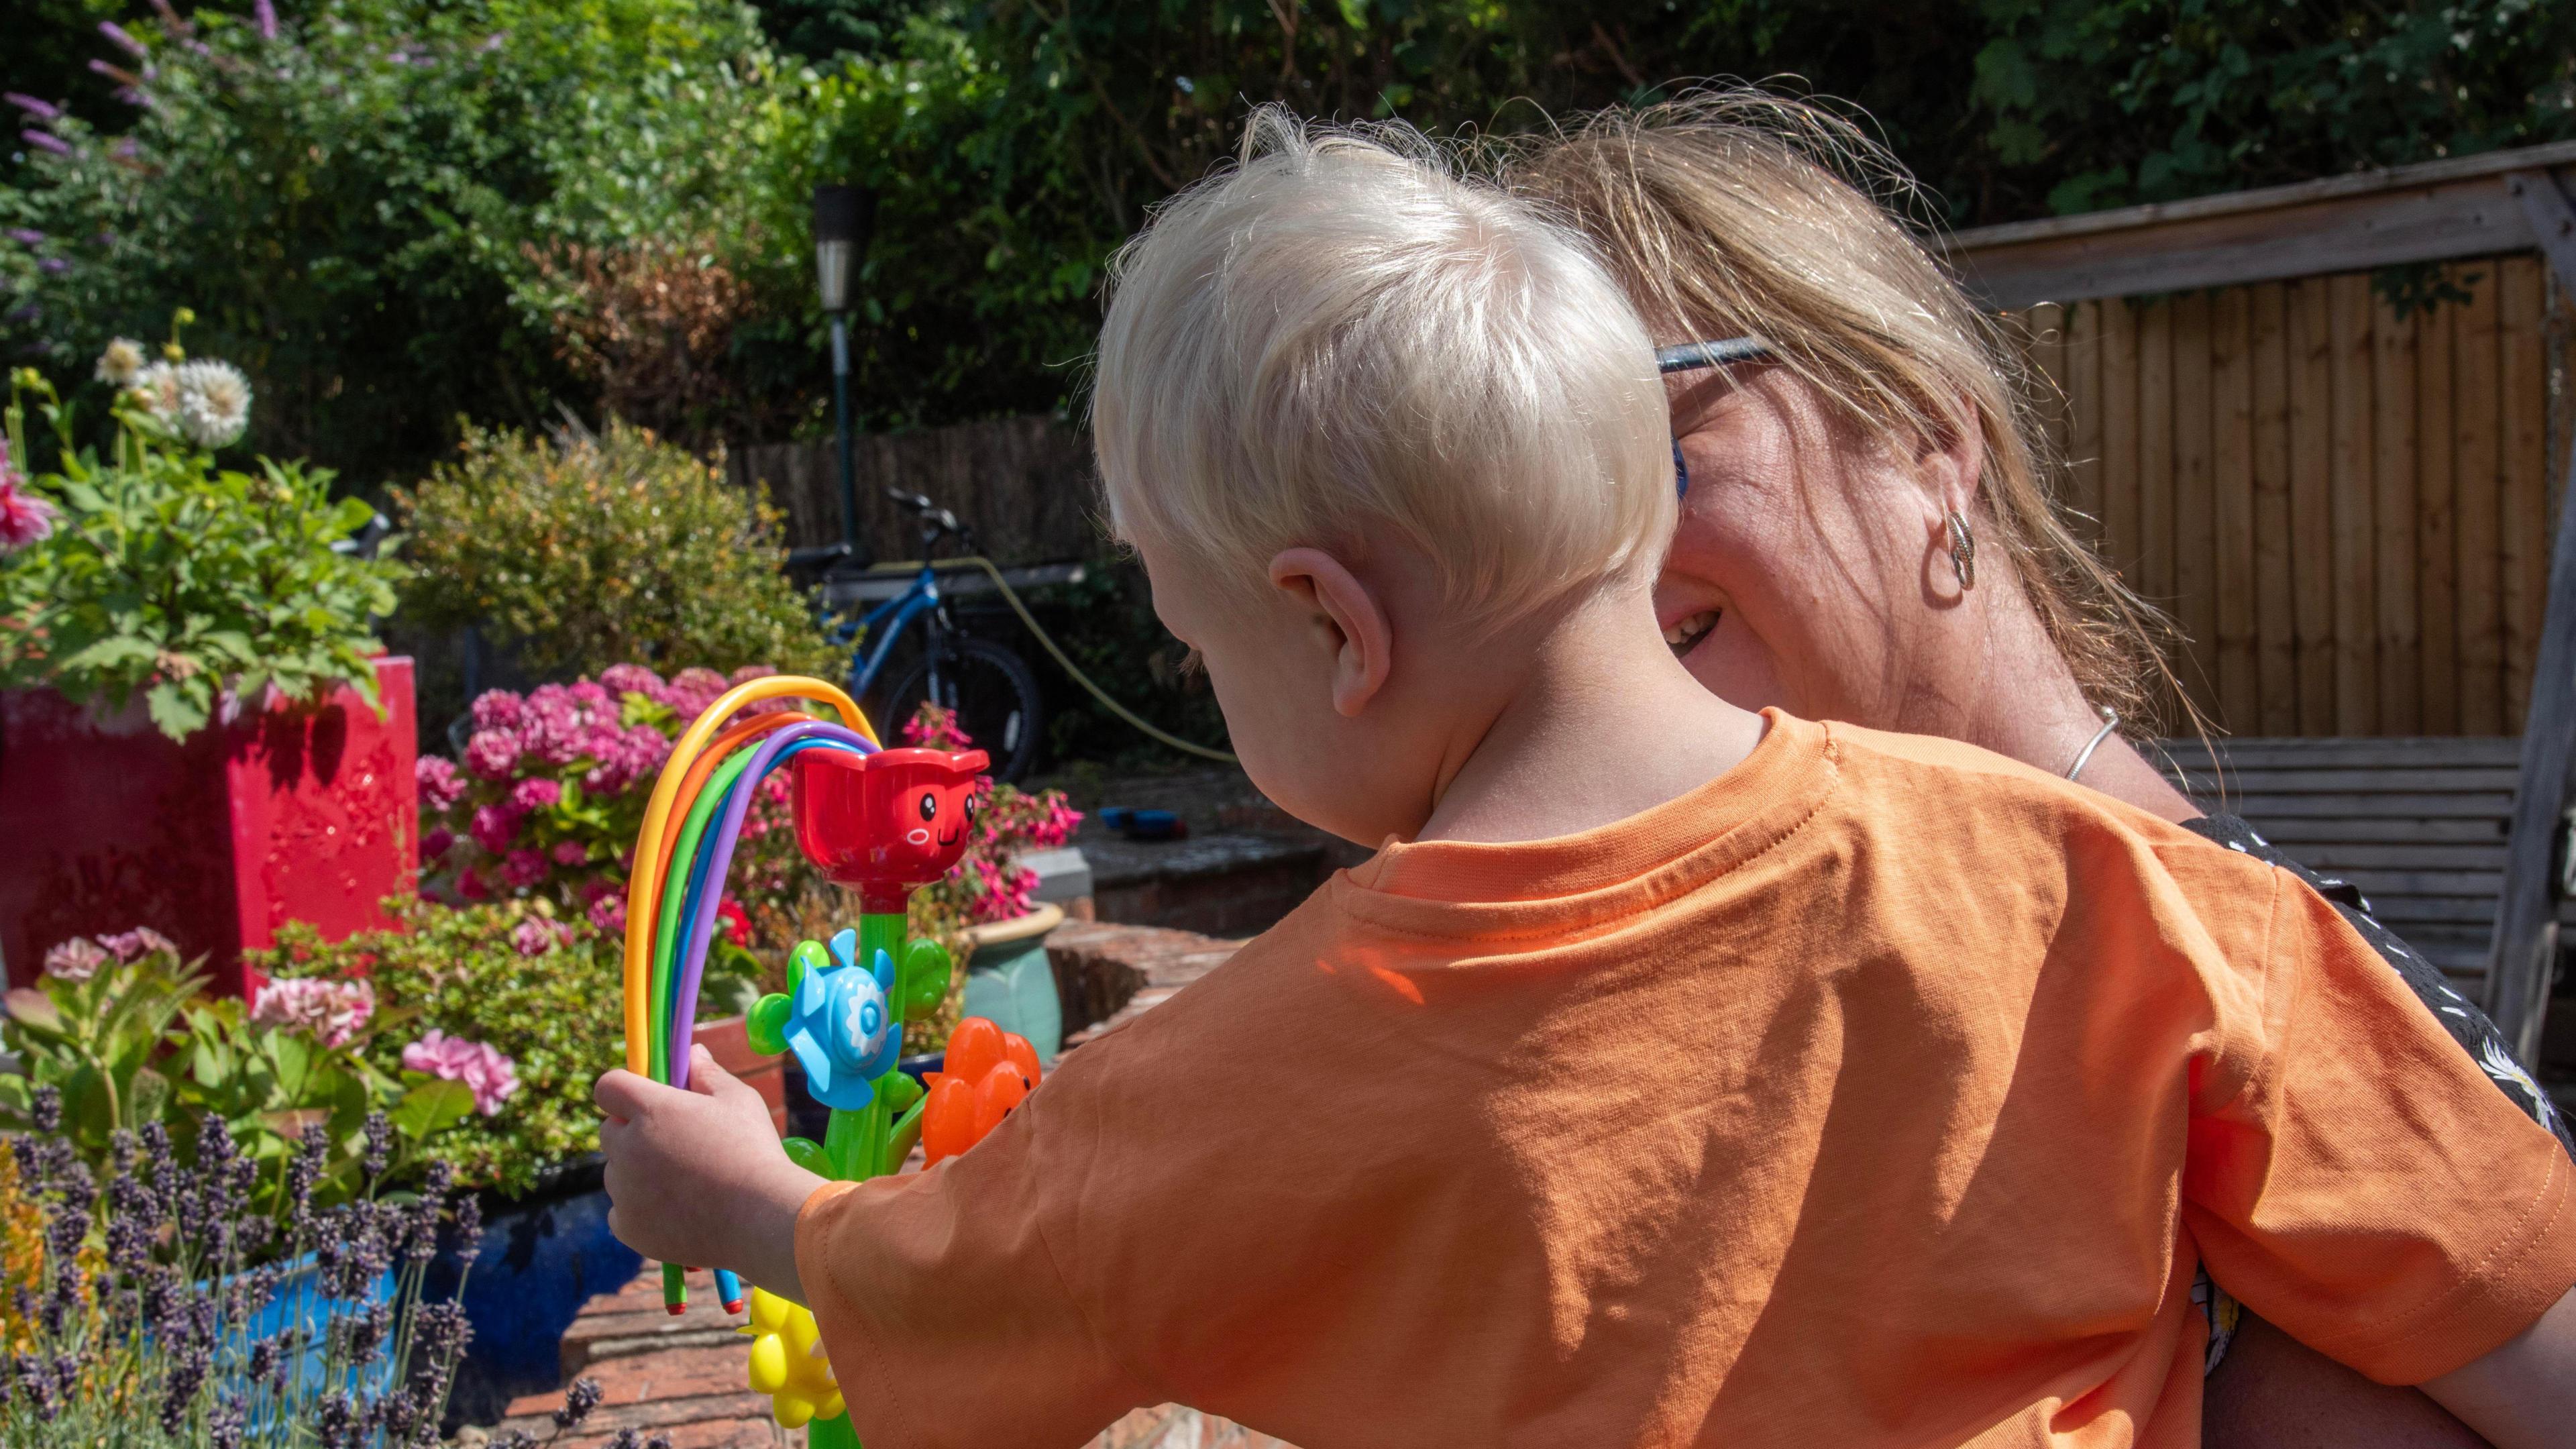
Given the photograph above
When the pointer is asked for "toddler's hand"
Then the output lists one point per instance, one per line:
(697, 1177)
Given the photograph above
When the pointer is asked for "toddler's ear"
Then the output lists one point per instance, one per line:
(1348, 617)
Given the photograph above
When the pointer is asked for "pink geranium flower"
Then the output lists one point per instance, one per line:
(440, 785)
(631, 679)
(493, 1076)
(331, 1011)
(498, 709)
(77, 959)
(492, 754)
(494, 827)
(137, 943)
(524, 867)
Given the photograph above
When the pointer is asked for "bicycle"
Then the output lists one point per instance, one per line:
(986, 685)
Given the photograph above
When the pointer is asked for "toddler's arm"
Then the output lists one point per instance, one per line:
(2523, 1394)
(2355, 1179)
(697, 1177)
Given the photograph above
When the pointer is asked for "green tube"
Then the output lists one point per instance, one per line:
(675, 884)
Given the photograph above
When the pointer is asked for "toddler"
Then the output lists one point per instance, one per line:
(1671, 1074)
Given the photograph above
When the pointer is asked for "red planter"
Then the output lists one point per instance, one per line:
(291, 815)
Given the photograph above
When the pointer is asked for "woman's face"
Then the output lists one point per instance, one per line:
(1800, 572)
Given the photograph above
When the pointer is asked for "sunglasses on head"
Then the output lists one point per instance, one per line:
(1685, 356)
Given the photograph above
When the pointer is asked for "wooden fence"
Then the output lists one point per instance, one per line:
(1023, 484)
(2346, 507)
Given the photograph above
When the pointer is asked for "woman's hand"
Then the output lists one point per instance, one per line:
(696, 1177)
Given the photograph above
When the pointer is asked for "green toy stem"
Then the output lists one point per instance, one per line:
(906, 1132)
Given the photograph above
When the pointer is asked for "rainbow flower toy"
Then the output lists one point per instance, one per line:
(884, 822)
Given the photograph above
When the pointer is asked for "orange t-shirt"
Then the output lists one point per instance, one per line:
(1880, 1092)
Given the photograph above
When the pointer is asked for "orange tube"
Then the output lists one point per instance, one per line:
(690, 784)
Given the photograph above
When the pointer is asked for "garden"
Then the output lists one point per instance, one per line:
(370, 556)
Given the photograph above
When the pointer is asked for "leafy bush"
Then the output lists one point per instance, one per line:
(539, 988)
(116, 1039)
(162, 574)
(352, 188)
(594, 552)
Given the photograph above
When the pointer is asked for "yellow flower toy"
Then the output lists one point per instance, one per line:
(787, 1362)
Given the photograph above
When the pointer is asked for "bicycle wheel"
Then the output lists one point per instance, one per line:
(992, 693)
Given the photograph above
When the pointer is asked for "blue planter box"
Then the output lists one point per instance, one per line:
(299, 1299)
(542, 1258)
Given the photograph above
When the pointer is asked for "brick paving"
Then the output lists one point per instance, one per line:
(683, 1377)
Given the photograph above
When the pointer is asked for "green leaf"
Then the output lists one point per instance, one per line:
(108, 653)
(29, 1007)
(432, 1107)
(174, 712)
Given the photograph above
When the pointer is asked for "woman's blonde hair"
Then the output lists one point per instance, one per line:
(1734, 211)
(1347, 337)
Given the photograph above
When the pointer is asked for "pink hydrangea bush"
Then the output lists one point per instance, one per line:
(551, 791)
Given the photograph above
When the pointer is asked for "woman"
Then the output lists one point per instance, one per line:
(1866, 535)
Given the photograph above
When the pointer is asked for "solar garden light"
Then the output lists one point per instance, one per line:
(842, 216)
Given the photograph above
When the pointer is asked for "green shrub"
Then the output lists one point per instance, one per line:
(597, 552)
(166, 576)
(347, 195)
(542, 991)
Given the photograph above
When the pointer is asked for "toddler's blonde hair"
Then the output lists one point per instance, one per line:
(1344, 337)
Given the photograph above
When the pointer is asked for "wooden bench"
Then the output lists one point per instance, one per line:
(2418, 824)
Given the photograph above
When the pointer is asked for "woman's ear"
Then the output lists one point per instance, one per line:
(1951, 466)
(1346, 619)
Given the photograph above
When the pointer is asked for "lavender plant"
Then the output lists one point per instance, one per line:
(158, 1312)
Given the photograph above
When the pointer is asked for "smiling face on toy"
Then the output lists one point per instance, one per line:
(892, 820)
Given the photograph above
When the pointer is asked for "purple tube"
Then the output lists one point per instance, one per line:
(719, 843)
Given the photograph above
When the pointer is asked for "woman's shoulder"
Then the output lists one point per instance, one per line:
(1927, 771)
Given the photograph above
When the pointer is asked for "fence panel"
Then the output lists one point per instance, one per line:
(2346, 508)
(1024, 485)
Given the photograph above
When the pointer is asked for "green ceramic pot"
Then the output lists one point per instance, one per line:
(1009, 983)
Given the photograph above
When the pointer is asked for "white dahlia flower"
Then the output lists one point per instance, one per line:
(156, 386)
(120, 362)
(214, 403)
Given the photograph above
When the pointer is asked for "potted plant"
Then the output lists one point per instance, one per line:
(195, 723)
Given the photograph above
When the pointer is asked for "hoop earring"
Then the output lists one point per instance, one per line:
(1963, 550)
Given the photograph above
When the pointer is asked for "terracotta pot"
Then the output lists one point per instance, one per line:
(290, 814)
(729, 1041)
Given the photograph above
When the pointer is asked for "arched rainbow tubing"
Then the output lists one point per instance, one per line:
(691, 824)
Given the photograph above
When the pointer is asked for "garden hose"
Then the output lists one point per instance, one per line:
(1057, 654)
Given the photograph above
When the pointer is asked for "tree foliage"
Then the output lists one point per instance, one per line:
(375, 194)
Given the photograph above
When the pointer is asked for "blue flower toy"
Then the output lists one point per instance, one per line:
(842, 1026)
